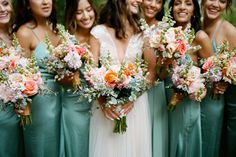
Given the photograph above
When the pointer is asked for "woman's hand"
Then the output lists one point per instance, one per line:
(109, 112)
(66, 80)
(220, 87)
(126, 108)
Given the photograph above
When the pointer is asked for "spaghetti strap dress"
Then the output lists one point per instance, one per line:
(42, 137)
(212, 113)
(75, 120)
(11, 136)
(159, 120)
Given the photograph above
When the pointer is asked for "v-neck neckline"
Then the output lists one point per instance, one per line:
(120, 60)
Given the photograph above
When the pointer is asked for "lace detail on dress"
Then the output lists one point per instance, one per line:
(134, 47)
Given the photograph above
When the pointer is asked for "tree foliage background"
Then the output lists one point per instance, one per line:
(231, 16)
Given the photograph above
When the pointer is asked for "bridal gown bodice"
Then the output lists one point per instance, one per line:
(136, 141)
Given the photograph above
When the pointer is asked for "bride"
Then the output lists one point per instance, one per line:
(118, 34)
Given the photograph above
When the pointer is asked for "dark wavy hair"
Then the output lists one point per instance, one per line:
(112, 15)
(70, 14)
(195, 19)
(160, 14)
(228, 6)
(12, 18)
(24, 15)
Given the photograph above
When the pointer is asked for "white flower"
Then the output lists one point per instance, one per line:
(170, 35)
(73, 60)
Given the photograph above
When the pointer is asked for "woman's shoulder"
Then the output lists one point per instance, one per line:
(229, 32)
(98, 31)
(201, 37)
(229, 29)
(25, 31)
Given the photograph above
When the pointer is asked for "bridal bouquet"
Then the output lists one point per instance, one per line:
(67, 58)
(220, 67)
(118, 84)
(20, 79)
(187, 80)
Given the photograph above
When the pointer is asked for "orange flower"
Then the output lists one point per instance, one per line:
(1, 50)
(130, 67)
(110, 77)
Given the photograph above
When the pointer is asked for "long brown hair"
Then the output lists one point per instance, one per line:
(70, 14)
(112, 15)
(24, 15)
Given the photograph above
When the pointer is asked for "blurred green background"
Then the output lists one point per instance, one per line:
(231, 16)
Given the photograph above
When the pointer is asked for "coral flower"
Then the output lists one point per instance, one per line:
(110, 77)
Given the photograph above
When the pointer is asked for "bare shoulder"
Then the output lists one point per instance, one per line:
(201, 36)
(229, 32)
(229, 29)
(26, 38)
(24, 32)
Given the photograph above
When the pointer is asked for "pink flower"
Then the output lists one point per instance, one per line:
(170, 35)
(31, 87)
(207, 65)
(12, 65)
(231, 71)
(198, 95)
(161, 48)
(81, 50)
(181, 47)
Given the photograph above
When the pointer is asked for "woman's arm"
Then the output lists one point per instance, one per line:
(202, 39)
(25, 39)
(95, 49)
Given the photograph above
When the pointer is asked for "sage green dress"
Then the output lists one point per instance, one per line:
(212, 113)
(11, 136)
(159, 120)
(184, 128)
(42, 137)
(74, 124)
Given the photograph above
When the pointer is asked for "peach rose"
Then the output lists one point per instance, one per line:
(231, 71)
(182, 47)
(31, 87)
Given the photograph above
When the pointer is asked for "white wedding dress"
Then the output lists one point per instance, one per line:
(136, 141)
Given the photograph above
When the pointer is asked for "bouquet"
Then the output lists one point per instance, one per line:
(187, 80)
(20, 79)
(169, 43)
(118, 84)
(67, 58)
(220, 68)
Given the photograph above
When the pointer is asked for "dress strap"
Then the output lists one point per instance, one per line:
(214, 45)
(35, 35)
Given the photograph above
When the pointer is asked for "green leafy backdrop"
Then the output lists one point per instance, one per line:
(231, 16)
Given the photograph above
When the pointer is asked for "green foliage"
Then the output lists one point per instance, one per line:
(231, 15)
(60, 4)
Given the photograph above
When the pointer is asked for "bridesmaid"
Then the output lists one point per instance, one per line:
(35, 20)
(10, 130)
(153, 11)
(219, 30)
(184, 121)
(79, 18)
